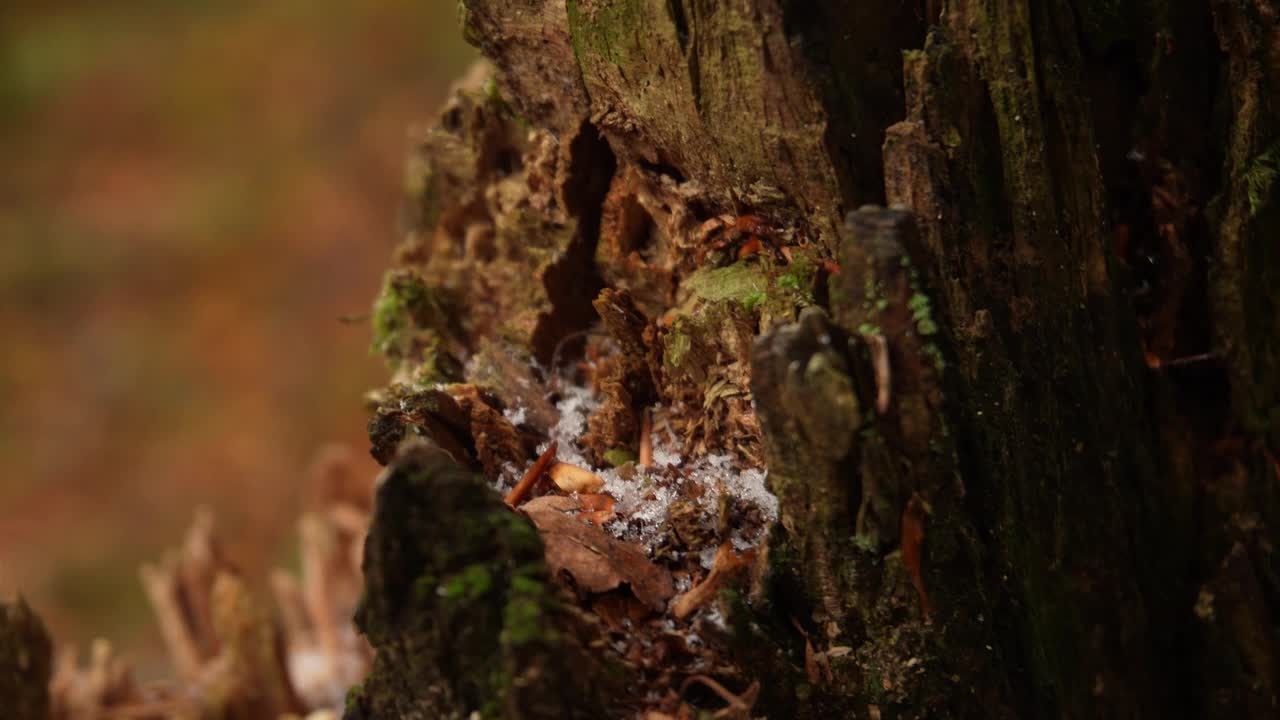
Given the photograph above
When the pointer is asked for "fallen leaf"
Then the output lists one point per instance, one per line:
(596, 561)
(573, 479)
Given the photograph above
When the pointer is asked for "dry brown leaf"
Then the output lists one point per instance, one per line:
(596, 561)
(573, 479)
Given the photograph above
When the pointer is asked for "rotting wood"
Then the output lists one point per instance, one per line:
(974, 356)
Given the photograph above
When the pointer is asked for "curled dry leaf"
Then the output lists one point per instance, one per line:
(596, 561)
(573, 479)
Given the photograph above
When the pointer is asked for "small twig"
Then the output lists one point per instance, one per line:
(725, 565)
(737, 703)
(646, 439)
(1155, 363)
(540, 466)
(1191, 359)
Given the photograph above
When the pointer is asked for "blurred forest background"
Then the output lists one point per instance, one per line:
(192, 195)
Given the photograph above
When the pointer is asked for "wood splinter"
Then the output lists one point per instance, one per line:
(646, 439)
(539, 466)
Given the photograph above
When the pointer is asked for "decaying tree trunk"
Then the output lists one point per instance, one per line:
(1022, 427)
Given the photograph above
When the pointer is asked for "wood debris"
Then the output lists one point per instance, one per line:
(646, 439)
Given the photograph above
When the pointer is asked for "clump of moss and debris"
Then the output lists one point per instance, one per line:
(578, 335)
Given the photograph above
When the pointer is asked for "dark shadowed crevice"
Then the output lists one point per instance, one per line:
(855, 52)
(676, 8)
(1147, 74)
(573, 281)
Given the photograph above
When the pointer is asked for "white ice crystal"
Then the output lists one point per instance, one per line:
(515, 415)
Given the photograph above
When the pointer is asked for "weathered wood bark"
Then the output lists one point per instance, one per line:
(1023, 427)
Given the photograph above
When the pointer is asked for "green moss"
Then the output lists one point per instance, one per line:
(1260, 176)
(934, 353)
(799, 278)
(405, 305)
(618, 457)
(739, 282)
(425, 586)
(921, 312)
(352, 704)
(471, 584)
(522, 621)
(527, 600)
(677, 346)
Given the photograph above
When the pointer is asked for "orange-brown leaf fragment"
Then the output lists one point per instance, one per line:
(573, 479)
(596, 561)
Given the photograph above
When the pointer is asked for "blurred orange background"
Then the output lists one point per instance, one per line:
(192, 195)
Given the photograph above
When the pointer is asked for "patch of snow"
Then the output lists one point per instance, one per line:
(707, 557)
(643, 501)
(515, 415)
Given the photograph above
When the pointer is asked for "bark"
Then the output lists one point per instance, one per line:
(1022, 426)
